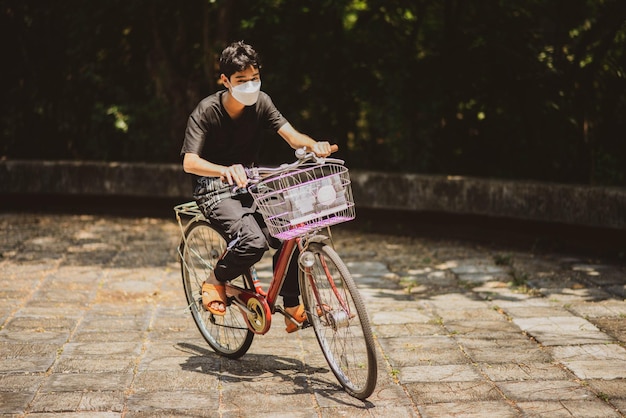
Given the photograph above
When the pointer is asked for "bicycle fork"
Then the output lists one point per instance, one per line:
(335, 318)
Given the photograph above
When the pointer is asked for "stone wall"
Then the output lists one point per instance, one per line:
(535, 201)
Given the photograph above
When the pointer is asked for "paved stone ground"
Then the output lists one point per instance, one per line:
(93, 323)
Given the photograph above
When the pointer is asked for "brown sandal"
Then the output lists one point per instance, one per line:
(212, 293)
(299, 316)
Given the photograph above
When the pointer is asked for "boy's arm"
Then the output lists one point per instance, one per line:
(194, 164)
(298, 140)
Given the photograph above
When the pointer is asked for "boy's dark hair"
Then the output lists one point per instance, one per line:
(237, 57)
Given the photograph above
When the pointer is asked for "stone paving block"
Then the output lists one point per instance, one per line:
(76, 382)
(109, 349)
(388, 392)
(397, 330)
(569, 296)
(15, 402)
(174, 334)
(12, 296)
(73, 276)
(475, 266)
(28, 364)
(21, 382)
(502, 296)
(330, 396)
(498, 329)
(618, 289)
(25, 349)
(420, 330)
(407, 351)
(166, 315)
(613, 389)
(480, 278)
(460, 301)
(48, 296)
(523, 371)
(384, 298)
(399, 317)
(436, 392)
(127, 287)
(493, 409)
(515, 349)
(278, 414)
(261, 369)
(111, 310)
(175, 380)
(597, 361)
(548, 390)
(94, 364)
(460, 315)
(562, 330)
(69, 284)
(20, 322)
(613, 352)
(506, 299)
(608, 308)
(170, 297)
(439, 373)
(53, 311)
(57, 337)
(601, 274)
(178, 362)
(195, 348)
(537, 311)
(4, 316)
(568, 409)
(597, 369)
(296, 414)
(88, 336)
(30, 274)
(193, 403)
(367, 269)
(620, 405)
(404, 411)
(81, 414)
(615, 327)
(114, 324)
(396, 302)
(61, 402)
(266, 397)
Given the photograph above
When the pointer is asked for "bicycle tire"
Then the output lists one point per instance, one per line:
(337, 313)
(201, 248)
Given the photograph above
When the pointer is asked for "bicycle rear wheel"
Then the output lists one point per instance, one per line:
(336, 311)
(200, 250)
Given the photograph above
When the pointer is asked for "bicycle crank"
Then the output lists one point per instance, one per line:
(256, 313)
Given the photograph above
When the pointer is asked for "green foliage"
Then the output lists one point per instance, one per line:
(512, 89)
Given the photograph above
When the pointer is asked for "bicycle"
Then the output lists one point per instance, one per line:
(298, 201)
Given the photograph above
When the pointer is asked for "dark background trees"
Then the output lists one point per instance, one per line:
(530, 89)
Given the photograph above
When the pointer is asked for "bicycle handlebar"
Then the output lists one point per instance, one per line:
(303, 157)
(256, 174)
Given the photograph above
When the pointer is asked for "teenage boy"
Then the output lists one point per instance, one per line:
(223, 136)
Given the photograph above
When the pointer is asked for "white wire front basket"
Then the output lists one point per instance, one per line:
(304, 200)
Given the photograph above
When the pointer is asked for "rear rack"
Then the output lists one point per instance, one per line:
(188, 209)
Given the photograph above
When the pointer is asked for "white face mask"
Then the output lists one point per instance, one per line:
(246, 93)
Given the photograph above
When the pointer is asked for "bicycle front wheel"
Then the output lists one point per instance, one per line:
(200, 250)
(337, 313)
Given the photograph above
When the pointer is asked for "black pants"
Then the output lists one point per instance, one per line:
(249, 239)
